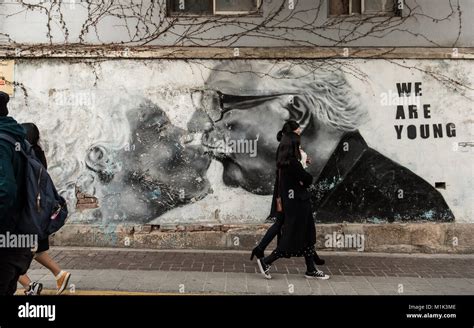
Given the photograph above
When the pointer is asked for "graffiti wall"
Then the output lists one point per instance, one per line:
(157, 142)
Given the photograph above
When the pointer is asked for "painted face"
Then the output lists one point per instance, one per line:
(241, 133)
(162, 166)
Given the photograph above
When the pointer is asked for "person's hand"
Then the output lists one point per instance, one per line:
(304, 158)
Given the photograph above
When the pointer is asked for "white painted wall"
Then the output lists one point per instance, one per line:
(79, 104)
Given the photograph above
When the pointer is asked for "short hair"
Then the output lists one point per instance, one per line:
(325, 91)
(328, 96)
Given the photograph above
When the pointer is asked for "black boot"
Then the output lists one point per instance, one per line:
(257, 252)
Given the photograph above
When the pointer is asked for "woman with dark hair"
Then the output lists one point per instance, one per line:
(290, 126)
(298, 233)
(33, 137)
(42, 256)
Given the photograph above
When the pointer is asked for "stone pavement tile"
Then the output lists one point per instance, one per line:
(105, 274)
(410, 293)
(298, 285)
(452, 282)
(406, 288)
(173, 282)
(365, 291)
(80, 277)
(406, 280)
(349, 291)
(460, 292)
(352, 279)
(462, 288)
(278, 285)
(429, 292)
(257, 284)
(90, 283)
(321, 288)
(236, 283)
(361, 285)
(421, 283)
(387, 292)
(377, 279)
(215, 282)
(195, 281)
(40, 270)
(38, 276)
(338, 278)
(151, 281)
(385, 286)
(455, 292)
(342, 288)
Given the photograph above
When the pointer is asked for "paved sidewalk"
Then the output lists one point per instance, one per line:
(103, 271)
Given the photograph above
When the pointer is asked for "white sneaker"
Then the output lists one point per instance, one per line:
(264, 269)
(35, 288)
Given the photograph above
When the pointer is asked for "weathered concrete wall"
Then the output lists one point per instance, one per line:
(446, 23)
(133, 147)
(391, 238)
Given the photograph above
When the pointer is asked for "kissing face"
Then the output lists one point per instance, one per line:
(159, 170)
(244, 139)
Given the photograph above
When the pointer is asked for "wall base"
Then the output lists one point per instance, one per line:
(389, 238)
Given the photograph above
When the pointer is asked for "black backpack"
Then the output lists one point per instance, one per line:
(45, 211)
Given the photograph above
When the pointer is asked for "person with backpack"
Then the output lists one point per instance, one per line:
(42, 256)
(14, 261)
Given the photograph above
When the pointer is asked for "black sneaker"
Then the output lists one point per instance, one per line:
(264, 268)
(318, 274)
(35, 288)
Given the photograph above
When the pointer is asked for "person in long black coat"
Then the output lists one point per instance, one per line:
(274, 230)
(298, 233)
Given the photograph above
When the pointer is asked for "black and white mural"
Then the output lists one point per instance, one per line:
(184, 142)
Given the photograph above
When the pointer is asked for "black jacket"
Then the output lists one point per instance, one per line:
(298, 232)
(358, 184)
(12, 175)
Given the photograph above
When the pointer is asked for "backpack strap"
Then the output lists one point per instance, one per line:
(14, 142)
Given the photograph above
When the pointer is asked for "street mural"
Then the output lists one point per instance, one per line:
(200, 146)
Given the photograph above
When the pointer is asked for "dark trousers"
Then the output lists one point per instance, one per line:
(309, 260)
(13, 264)
(271, 233)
